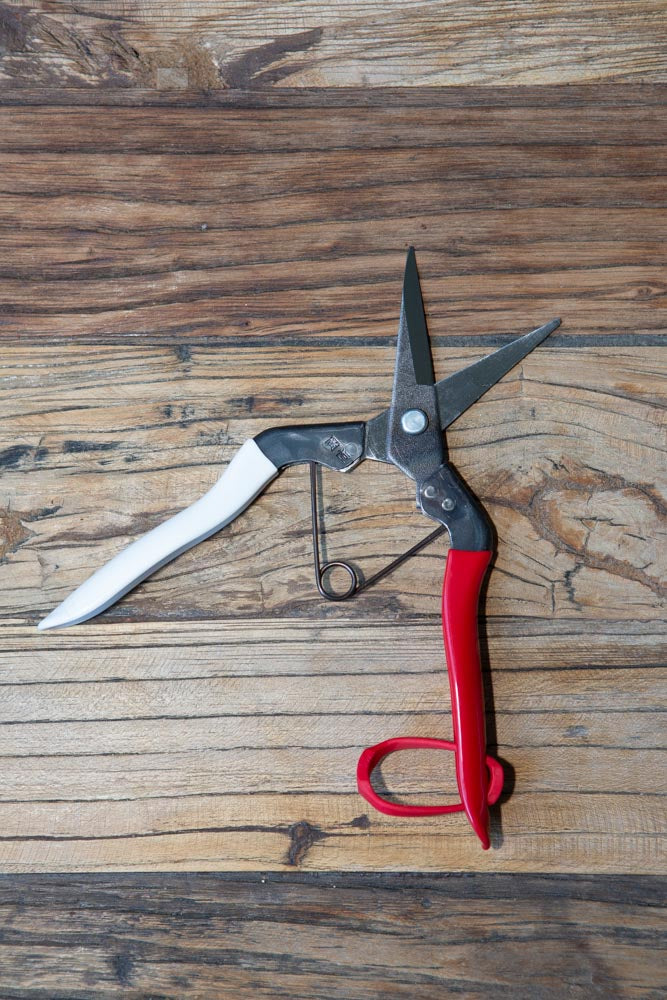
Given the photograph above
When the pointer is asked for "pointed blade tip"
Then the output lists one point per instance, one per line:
(549, 327)
(413, 308)
(542, 332)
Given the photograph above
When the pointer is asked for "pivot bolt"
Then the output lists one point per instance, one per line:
(448, 504)
(429, 492)
(414, 421)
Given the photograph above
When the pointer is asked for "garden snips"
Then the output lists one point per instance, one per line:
(409, 435)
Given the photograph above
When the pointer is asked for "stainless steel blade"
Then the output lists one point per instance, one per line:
(414, 441)
(413, 308)
(459, 391)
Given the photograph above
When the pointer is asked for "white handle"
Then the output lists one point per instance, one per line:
(244, 478)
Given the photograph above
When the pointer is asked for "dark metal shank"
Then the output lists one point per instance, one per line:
(336, 446)
(341, 447)
(410, 433)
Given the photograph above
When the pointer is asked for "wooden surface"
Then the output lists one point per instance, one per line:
(347, 937)
(177, 279)
(133, 250)
(216, 44)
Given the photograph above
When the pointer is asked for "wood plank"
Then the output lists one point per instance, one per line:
(344, 936)
(617, 95)
(288, 225)
(99, 445)
(291, 127)
(238, 748)
(219, 44)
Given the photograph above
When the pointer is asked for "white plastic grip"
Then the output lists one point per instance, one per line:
(244, 478)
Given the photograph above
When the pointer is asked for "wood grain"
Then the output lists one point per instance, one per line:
(285, 225)
(98, 445)
(179, 278)
(345, 936)
(224, 44)
(273, 727)
(155, 232)
(235, 746)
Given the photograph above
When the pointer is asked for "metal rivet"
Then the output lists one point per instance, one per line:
(448, 504)
(429, 492)
(414, 421)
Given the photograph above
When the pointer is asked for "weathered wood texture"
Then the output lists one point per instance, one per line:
(176, 279)
(343, 938)
(288, 225)
(99, 444)
(331, 43)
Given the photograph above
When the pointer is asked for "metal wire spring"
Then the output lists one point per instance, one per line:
(356, 585)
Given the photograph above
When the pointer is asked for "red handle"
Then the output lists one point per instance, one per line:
(460, 596)
(479, 778)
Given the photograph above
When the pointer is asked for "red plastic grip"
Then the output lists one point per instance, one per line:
(479, 777)
(460, 598)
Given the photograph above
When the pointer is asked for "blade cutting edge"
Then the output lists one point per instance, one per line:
(459, 391)
(413, 307)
